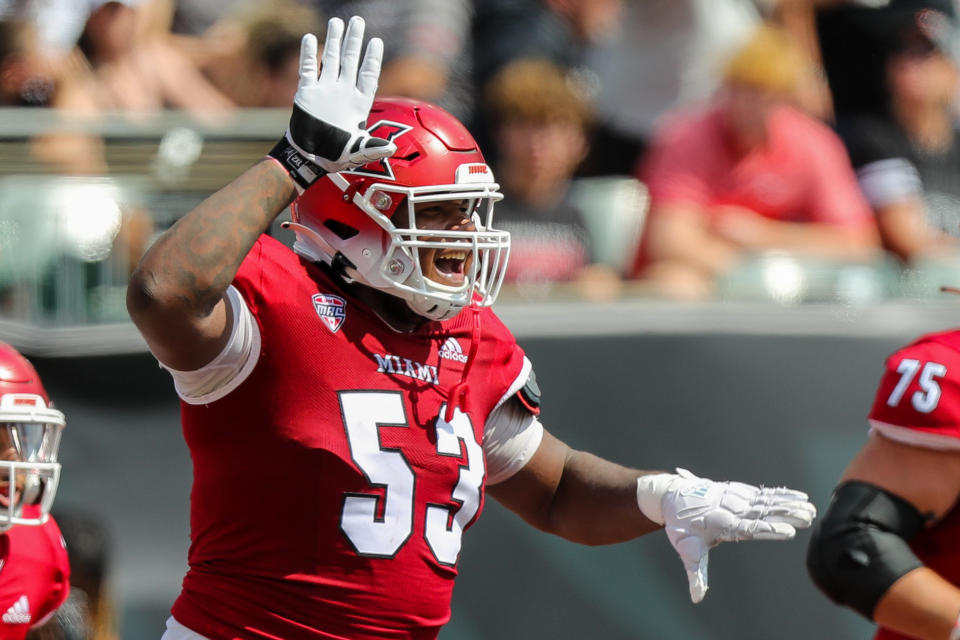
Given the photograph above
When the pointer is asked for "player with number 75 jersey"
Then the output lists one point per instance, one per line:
(918, 399)
(887, 547)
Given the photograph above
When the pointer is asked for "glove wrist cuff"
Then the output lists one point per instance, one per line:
(303, 171)
(650, 491)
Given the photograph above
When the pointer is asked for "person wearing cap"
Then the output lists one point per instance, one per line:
(747, 174)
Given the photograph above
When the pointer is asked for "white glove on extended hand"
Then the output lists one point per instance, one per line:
(330, 111)
(698, 514)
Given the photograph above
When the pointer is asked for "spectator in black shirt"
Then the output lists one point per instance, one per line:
(540, 138)
(905, 144)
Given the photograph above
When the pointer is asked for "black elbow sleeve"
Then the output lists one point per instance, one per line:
(858, 549)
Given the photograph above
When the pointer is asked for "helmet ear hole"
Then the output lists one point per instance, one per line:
(343, 230)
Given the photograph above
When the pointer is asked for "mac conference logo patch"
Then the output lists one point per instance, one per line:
(331, 309)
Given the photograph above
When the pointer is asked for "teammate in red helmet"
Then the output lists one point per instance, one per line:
(349, 404)
(34, 571)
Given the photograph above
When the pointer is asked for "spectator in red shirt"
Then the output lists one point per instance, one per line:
(748, 174)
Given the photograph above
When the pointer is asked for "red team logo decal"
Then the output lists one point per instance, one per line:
(331, 309)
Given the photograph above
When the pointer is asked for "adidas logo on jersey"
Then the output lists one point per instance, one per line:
(19, 613)
(451, 350)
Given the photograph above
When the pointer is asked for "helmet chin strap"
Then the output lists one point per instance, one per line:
(459, 393)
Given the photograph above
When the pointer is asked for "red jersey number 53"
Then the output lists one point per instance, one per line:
(364, 413)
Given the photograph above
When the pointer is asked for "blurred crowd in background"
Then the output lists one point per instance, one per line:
(789, 150)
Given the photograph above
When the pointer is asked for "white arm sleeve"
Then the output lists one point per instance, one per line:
(231, 366)
(511, 436)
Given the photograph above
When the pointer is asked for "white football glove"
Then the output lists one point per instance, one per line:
(698, 514)
(328, 123)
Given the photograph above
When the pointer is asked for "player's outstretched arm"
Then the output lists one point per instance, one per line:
(176, 294)
(859, 553)
(587, 499)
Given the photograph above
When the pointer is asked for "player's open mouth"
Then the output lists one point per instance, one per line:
(450, 264)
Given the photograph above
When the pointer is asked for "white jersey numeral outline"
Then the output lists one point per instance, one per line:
(925, 400)
(377, 530)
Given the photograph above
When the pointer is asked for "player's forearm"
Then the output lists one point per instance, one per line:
(679, 234)
(906, 233)
(595, 502)
(191, 265)
(921, 604)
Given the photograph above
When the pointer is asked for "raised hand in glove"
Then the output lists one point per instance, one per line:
(698, 514)
(327, 131)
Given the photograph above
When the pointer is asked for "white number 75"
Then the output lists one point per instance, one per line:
(925, 400)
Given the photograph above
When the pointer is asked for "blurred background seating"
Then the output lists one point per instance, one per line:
(165, 100)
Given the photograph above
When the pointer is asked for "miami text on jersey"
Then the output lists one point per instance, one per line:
(396, 365)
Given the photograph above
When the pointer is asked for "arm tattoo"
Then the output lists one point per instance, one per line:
(196, 259)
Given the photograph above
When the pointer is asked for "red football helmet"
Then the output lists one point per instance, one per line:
(29, 440)
(355, 215)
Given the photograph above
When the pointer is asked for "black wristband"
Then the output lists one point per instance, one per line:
(303, 172)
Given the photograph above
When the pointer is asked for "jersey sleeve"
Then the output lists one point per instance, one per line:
(511, 436)
(918, 400)
(232, 365)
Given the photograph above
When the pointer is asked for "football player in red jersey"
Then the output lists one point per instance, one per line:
(887, 545)
(34, 571)
(348, 403)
